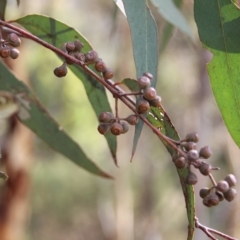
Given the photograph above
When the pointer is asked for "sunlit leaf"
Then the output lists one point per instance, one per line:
(219, 27)
(159, 118)
(57, 33)
(33, 114)
(145, 45)
(173, 15)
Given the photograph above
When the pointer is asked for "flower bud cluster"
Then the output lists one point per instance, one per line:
(91, 57)
(8, 47)
(221, 190)
(109, 123)
(148, 95)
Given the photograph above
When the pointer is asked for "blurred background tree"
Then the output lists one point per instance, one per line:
(145, 202)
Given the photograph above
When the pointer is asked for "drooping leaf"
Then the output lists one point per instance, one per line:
(145, 45)
(173, 15)
(218, 23)
(3, 4)
(57, 33)
(33, 114)
(159, 118)
(167, 31)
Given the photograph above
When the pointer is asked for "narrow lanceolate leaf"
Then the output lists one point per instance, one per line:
(219, 27)
(173, 15)
(3, 4)
(159, 118)
(33, 114)
(57, 33)
(145, 45)
(168, 30)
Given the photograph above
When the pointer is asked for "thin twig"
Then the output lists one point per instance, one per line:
(212, 180)
(106, 84)
(208, 231)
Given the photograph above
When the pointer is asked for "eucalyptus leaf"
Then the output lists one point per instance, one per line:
(173, 15)
(3, 4)
(57, 33)
(222, 38)
(34, 115)
(145, 45)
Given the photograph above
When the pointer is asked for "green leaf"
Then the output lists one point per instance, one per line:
(33, 114)
(145, 45)
(57, 33)
(3, 4)
(173, 15)
(132, 84)
(218, 25)
(159, 118)
(167, 31)
(4, 176)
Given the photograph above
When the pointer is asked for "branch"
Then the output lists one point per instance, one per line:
(208, 231)
(107, 84)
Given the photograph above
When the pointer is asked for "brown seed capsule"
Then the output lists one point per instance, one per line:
(189, 145)
(69, 61)
(204, 192)
(116, 128)
(105, 117)
(230, 194)
(191, 178)
(91, 56)
(80, 56)
(205, 169)
(222, 186)
(144, 82)
(63, 48)
(180, 162)
(205, 152)
(108, 74)
(212, 199)
(192, 137)
(132, 119)
(78, 45)
(5, 52)
(70, 46)
(205, 202)
(142, 106)
(61, 71)
(103, 128)
(220, 196)
(14, 53)
(149, 93)
(100, 66)
(156, 102)
(125, 126)
(231, 179)
(193, 155)
(14, 40)
(149, 75)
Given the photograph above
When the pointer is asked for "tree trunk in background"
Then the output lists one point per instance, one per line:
(16, 145)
